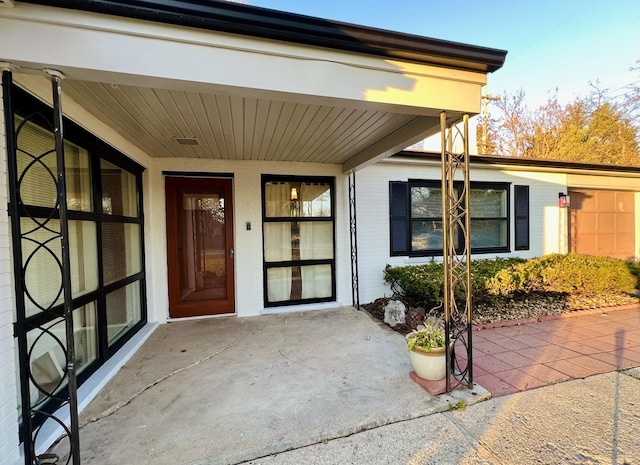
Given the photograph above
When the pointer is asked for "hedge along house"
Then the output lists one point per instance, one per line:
(209, 151)
(519, 207)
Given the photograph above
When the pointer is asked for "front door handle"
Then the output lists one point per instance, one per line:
(231, 253)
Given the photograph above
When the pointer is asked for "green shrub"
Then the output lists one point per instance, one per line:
(565, 274)
(572, 274)
(417, 285)
(423, 285)
(483, 270)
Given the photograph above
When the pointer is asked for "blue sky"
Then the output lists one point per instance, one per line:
(551, 43)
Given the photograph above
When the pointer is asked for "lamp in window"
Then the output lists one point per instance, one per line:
(295, 206)
(564, 201)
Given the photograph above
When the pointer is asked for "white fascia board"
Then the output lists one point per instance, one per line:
(510, 167)
(89, 46)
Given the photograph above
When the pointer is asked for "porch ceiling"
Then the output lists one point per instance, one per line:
(233, 127)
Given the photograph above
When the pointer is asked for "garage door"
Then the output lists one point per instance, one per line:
(602, 223)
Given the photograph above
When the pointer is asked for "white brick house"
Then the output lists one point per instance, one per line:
(210, 166)
(207, 169)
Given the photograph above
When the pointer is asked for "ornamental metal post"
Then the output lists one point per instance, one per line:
(66, 267)
(456, 251)
(353, 228)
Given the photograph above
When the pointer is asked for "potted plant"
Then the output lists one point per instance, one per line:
(427, 350)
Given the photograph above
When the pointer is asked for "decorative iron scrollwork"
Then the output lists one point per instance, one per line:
(39, 232)
(353, 231)
(457, 262)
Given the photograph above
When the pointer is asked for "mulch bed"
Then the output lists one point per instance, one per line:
(532, 306)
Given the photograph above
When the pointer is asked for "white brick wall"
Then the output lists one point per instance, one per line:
(248, 244)
(373, 216)
(9, 451)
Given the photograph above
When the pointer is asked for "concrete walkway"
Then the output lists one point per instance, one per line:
(589, 421)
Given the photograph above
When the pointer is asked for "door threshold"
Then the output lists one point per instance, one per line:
(199, 317)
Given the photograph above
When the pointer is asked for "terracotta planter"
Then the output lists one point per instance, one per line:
(430, 365)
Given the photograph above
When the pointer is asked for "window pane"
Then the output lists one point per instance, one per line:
(278, 242)
(123, 310)
(426, 235)
(426, 202)
(293, 199)
(47, 360)
(41, 252)
(488, 233)
(277, 200)
(316, 240)
(78, 178)
(121, 251)
(38, 166)
(42, 255)
(298, 240)
(316, 281)
(36, 150)
(279, 284)
(202, 257)
(488, 203)
(119, 191)
(299, 282)
(83, 251)
(315, 200)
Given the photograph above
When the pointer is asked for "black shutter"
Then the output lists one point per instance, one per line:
(399, 217)
(521, 194)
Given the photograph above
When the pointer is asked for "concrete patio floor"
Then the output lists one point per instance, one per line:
(228, 390)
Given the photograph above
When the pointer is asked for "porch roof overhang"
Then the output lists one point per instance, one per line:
(246, 83)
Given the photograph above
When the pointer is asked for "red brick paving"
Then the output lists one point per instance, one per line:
(515, 358)
(432, 387)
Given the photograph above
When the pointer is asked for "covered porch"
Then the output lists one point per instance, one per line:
(238, 94)
(229, 390)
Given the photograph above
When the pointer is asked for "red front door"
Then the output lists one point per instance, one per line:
(199, 246)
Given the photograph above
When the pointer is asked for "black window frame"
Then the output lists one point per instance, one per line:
(266, 178)
(401, 219)
(29, 107)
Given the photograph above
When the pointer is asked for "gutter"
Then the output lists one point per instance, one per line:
(520, 163)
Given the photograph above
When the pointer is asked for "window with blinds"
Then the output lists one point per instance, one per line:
(103, 192)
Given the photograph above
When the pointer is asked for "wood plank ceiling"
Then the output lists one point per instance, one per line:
(233, 127)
